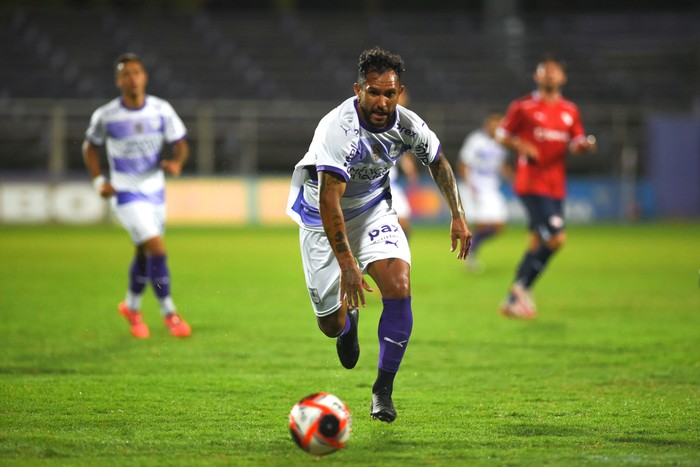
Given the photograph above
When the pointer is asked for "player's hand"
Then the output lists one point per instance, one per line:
(462, 236)
(172, 167)
(589, 144)
(529, 150)
(107, 190)
(352, 287)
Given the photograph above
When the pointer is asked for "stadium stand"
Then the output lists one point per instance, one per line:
(456, 62)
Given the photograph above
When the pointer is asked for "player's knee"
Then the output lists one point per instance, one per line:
(331, 325)
(155, 246)
(398, 287)
(557, 241)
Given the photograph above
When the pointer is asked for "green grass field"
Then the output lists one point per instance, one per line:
(609, 374)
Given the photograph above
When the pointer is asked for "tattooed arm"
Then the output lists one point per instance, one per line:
(352, 283)
(445, 180)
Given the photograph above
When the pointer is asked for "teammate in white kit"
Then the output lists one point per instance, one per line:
(135, 127)
(399, 199)
(482, 166)
(409, 172)
(340, 198)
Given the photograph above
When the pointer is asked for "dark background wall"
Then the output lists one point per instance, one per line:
(627, 62)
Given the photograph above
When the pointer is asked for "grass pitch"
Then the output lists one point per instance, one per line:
(609, 374)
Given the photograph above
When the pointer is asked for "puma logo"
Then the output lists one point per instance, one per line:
(388, 242)
(391, 341)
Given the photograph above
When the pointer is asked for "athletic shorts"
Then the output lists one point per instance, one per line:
(373, 236)
(546, 215)
(488, 207)
(141, 219)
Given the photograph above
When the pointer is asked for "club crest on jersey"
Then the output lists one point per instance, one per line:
(376, 150)
(315, 297)
(567, 118)
(395, 150)
(138, 128)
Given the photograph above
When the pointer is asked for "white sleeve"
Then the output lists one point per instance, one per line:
(96, 132)
(174, 129)
(426, 147)
(334, 147)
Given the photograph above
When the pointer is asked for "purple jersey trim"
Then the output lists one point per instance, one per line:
(136, 166)
(133, 109)
(143, 126)
(356, 189)
(335, 170)
(311, 216)
(124, 197)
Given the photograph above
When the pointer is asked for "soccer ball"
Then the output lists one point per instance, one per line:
(320, 423)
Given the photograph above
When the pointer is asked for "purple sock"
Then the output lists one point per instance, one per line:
(159, 275)
(395, 327)
(138, 276)
(348, 325)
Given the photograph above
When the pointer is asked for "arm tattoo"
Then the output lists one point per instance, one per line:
(332, 218)
(332, 181)
(341, 245)
(447, 184)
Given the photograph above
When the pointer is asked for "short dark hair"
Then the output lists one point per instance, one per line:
(553, 59)
(380, 61)
(125, 58)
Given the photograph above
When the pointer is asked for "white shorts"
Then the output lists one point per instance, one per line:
(399, 202)
(373, 236)
(487, 207)
(142, 220)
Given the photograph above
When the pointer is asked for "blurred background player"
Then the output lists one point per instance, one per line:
(482, 165)
(135, 128)
(399, 200)
(340, 196)
(541, 128)
(406, 168)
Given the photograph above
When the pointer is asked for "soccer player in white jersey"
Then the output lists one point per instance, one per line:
(482, 166)
(340, 198)
(135, 127)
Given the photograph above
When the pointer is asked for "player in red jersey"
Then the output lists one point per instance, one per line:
(541, 128)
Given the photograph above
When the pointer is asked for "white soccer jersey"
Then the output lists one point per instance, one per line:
(484, 158)
(135, 139)
(363, 157)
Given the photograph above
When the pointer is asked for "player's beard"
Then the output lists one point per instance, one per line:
(376, 118)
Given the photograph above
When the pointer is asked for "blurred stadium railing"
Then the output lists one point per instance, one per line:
(243, 153)
(251, 86)
(44, 136)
